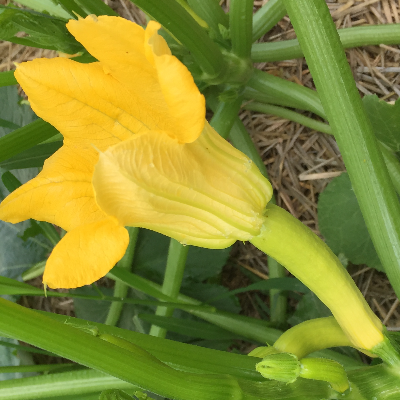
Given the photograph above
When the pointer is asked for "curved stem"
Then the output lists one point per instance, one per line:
(267, 17)
(290, 115)
(350, 37)
(225, 114)
(310, 336)
(176, 262)
(307, 257)
(120, 288)
(139, 368)
(352, 129)
(267, 88)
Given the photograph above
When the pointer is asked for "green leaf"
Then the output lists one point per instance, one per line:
(292, 284)
(309, 307)
(385, 120)
(342, 224)
(33, 130)
(10, 286)
(151, 255)
(31, 158)
(42, 30)
(47, 7)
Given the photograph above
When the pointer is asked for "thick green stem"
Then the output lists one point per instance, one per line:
(241, 24)
(350, 37)
(176, 261)
(75, 384)
(352, 129)
(307, 257)
(225, 114)
(267, 88)
(120, 288)
(139, 368)
(183, 27)
(267, 17)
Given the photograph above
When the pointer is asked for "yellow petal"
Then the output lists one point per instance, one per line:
(61, 194)
(143, 64)
(186, 104)
(86, 254)
(205, 193)
(86, 105)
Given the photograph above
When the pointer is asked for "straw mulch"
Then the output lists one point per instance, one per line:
(300, 161)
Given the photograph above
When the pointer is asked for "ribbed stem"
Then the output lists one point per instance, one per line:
(176, 262)
(350, 37)
(136, 368)
(120, 288)
(240, 25)
(267, 88)
(267, 17)
(352, 129)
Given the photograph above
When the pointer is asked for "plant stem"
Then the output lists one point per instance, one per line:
(267, 88)
(176, 261)
(224, 116)
(290, 115)
(211, 12)
(139, 368)
(120, 288)
(308, 258)
(352, 129)
(350, 37)
(241, 24)
(267, 17)
(183, 27)
(37, 368)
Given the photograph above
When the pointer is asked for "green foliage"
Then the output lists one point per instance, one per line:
(31, 158)
(385, 119)
(151, 252)
(309, 307)
(43, 31)
(342, 224)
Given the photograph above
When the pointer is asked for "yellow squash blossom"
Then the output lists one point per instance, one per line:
(137, 151)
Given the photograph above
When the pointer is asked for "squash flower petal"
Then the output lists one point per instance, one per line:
(88, 251)
(204, 193)
(137, 95)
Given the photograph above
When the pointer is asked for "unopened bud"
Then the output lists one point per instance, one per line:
(283, 367)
